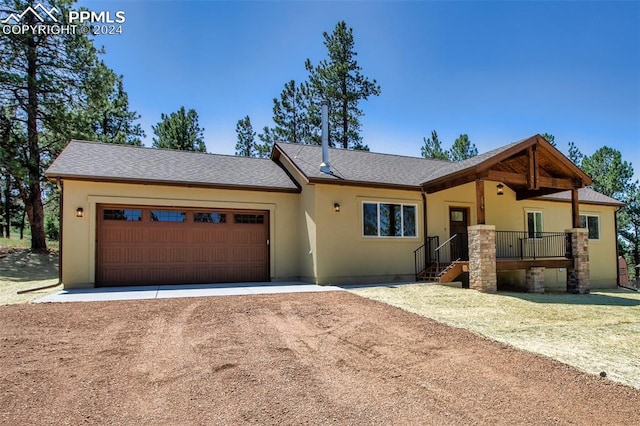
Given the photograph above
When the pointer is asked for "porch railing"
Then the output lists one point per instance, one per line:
(424, 256)
(509, 245)
(536, 245)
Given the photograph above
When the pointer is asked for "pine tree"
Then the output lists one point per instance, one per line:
(549, 138)
(110, 119)
(432, 148)
(339, 80)
(462, 149)
(610, 174)
(290, 114)
(574, 154)
(246, 145)
(179, 130)
(41, 77)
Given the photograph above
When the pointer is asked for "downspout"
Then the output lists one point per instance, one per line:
(61, 208)
(424, 218)
(424, 225)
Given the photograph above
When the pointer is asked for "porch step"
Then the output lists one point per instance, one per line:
(453, 271)
(435, 275)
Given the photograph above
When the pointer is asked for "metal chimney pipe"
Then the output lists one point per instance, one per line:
(325, 167)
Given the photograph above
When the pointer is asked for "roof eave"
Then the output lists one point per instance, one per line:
(107, 179)
(367, 184)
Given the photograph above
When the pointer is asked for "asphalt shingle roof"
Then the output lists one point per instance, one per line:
(387, 169)
(363, 166)
(585, 194)
(112, 162)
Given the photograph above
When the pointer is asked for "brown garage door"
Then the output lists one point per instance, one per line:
(143, 245)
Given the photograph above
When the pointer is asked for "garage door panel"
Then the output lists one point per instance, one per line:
(198, 247)
(116, 255)
(209, 254)
(124, 275)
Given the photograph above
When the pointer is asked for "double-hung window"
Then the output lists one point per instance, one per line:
(388, 219)
(592, 223)
(534, 224)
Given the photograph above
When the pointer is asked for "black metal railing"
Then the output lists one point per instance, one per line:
(424, 256)
(532, 245)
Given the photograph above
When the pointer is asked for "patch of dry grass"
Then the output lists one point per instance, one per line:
(15, 242)
(594, 333)
(22, 270)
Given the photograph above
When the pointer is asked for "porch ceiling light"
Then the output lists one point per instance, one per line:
(79, 212)
(500, 188)
(336, 207)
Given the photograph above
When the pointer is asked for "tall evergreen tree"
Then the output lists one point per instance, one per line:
(432, 148)
(611, 175)
(108, 115)
(339, 80)
(179, 130)
(462, 149)
(549, 138)
(246, 144)
(629, 228)
(290, 114)
(267, 138)
(40, 72)
(574, 154)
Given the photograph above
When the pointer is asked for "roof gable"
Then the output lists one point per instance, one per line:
(531, 167)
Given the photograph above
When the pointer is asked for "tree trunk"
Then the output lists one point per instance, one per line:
(33, 200)
(7, 205)
(22, 224)
(636, 255)
(345, 114)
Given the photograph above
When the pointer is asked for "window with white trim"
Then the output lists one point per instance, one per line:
(592, 223)
(534, 224)
(389, 220)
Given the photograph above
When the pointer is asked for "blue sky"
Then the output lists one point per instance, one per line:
(498, 71)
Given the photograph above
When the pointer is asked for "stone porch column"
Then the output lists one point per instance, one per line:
(482, 258)
(535, 279)
(578, 280)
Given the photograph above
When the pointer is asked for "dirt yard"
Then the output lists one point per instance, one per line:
(314, 358)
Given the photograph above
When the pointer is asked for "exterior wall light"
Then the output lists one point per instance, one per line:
(79, 212)
(500, 188)
(336, 207)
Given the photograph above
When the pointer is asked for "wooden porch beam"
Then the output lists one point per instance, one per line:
(525, 194)
(514, 265)
(520, 180)
(506, 177)
(533, 175)
(557, 183)
(575, 208)
(448, 183)
(481, 219)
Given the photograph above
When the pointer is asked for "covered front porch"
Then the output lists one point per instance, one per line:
(526, 170)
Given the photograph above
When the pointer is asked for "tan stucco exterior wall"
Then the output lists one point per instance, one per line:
(508, 214)
(312, 242)
(79, 234)
(344, 255)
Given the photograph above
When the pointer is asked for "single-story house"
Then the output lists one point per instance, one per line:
(520, 216)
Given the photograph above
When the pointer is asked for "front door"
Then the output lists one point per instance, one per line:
(458, 222)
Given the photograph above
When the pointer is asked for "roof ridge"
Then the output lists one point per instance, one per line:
(367, 152)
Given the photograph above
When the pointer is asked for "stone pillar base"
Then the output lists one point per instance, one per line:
(534, 279)
(578, 279)
(482, 258)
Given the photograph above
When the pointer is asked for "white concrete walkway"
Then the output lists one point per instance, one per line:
(182, 290)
